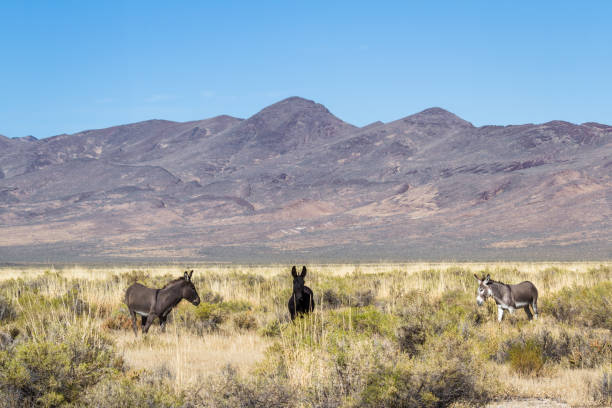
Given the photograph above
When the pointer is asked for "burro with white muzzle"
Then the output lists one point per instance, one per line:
(508, 297)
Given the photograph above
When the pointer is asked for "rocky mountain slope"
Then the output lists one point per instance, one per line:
(295, 182)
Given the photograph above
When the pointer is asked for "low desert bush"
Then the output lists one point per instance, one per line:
(586, 348)
(210, 316)
(455, 310)
(56, 370)
(334, 298)
(272, 329)
(245, 321)
(355, 290)
(527, 358)
(131, 391)
(119, 320)
(134, 276)
(406, 386)
(229, 390)
(411, 338)
(585, 306)
(210, 297)
(367, 320)
(447, 372)
(331, 299)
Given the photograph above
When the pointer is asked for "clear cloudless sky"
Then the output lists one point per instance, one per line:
(67, 66)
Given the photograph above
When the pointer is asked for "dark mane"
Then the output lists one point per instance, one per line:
(498, 282)
(172, 282)
(496, 289)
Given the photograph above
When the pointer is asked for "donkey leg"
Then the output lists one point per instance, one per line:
(162, 323)
(534, 306)
(134, 324)
(292, 307)
(150, 319)
(529, 315)
(500, 313)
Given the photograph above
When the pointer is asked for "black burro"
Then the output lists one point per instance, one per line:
(302, 298)
(151, 303)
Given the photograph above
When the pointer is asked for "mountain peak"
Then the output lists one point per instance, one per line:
(596, 125)
(287, 124)
(295, 104)
(28, 138)
(437, 116)
(435, 111)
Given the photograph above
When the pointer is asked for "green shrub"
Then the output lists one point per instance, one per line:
(119, 320)
(585, 306)
(526, 359)
(331, 299)
(411, 338)
(210, 297)
(124, 391)
(586, 348)
(207, 311)
(363, 298)
(229, 390)
(334, 299)
(210, 315)
(234, 306)
(272, 329)
(56, 370)
(367, 320)
(455, 310)
(245, 321)
(134, 276)
(412, 386)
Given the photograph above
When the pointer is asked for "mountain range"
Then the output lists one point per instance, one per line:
(294, 182)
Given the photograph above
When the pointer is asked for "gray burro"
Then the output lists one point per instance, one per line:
(151, 303)
(508, 297)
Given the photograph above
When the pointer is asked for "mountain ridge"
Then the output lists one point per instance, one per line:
(294, 181)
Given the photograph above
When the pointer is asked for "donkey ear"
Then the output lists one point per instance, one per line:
(186, 276)
(190, 274)
(488, 278)
(303, 274)
(477, 278)
(294, 271)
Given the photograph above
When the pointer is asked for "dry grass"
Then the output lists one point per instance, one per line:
(189, 356)
(571, 386)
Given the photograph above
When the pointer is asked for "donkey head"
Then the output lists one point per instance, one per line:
(189, 291)
(298, 283)
(484, 291)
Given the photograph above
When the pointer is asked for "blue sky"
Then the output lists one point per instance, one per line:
(70, 66)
